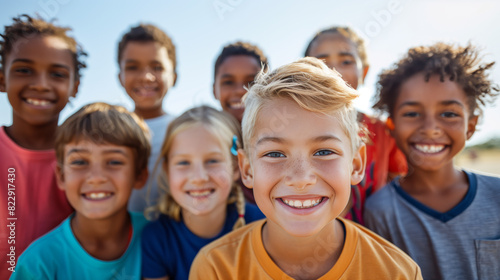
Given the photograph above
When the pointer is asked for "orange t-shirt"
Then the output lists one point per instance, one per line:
(241, 255)
(36, 204)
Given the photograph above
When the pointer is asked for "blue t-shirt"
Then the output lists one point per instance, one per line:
(169, 247)
(59, 255)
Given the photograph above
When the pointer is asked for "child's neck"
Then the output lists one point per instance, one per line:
(205, 226)
(39, 137)
(149, 113)
(105, 239)
(440, 190)
(290, 253)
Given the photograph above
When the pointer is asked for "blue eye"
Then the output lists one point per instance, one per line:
(182, 162)
(323, 153)
(115, 162)
(213, 161)
(78, 162)
(274, 155)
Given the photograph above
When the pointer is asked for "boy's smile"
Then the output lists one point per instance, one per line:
(39, 79)
(235, 73)
(300, 168)
(98, 178)
(146, 73)
(432, 121)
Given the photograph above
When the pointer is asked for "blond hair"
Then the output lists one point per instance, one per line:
(221, 125)
(103, 123)
(313, 86)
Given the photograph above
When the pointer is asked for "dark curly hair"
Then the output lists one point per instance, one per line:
(348, 33)
(459, 64)
(26, 27)
(148, 33)
(241, 48)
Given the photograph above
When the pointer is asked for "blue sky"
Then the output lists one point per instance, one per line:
(282, 29)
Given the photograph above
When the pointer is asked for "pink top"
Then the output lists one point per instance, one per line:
(31, 203)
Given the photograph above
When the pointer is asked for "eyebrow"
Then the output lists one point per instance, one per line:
(446, 103)
(322, 138)
(79, 150)
(31, 62)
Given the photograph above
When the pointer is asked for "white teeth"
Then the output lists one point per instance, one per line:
(38, 102)
(302, 204)
(236, 105)
(429, 148)
(199, 193)
(97, 195)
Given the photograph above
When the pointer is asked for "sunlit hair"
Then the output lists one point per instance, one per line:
(221, 125)
(459, 64)
(241, 48)
(102, 123)
(148, 33)
(348, 33)
(313, 86)
(26, 27)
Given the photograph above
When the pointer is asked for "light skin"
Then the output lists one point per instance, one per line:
(432, 123)
(200, 174)
(301, 173)
(98, 180)
(340, 53)
(233, 75)
(146, 74)
(39, 78)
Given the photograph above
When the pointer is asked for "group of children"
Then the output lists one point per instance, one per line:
(272, 187)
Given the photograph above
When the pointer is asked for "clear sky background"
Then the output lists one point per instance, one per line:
(201, 28)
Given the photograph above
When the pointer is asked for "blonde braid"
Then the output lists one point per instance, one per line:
(240, 206)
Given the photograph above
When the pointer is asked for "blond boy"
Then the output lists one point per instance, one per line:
(302, 154)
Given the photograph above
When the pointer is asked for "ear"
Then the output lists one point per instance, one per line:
(141, 179)
(358, 165)
(471, 126)
(175, 79)
(365, 71)
(245, 169)
(75, 88)
(2, 82)
(120, 78)
(213, 91)
(59, 177)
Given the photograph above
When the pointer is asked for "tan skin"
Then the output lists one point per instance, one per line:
(40, 70)
(436, 113)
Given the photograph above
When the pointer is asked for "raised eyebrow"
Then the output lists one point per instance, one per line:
(408, 103)
(270, 139)
(452, 102)
(324, 138)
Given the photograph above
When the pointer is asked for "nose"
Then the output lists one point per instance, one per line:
(199, 174)
(431, 126)
(96, 176)
(147, 75)
(41, 82)
(300, 174)
(240, 88)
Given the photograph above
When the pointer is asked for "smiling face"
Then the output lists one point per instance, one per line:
(432, 122)
(235, 73)
(200, 172)
(39, 77)
(340, 53)
(300, 169)
(146, 73)
(98, 179)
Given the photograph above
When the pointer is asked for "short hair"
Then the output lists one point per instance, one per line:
(26, 27)
(102, 123)
(148, 33)
(223, 126)
(313, 86)
(459, 64)
(241, 48)
(348, 33)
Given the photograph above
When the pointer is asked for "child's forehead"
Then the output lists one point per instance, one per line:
(84, 144)
(40, 47)
(144, 49)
